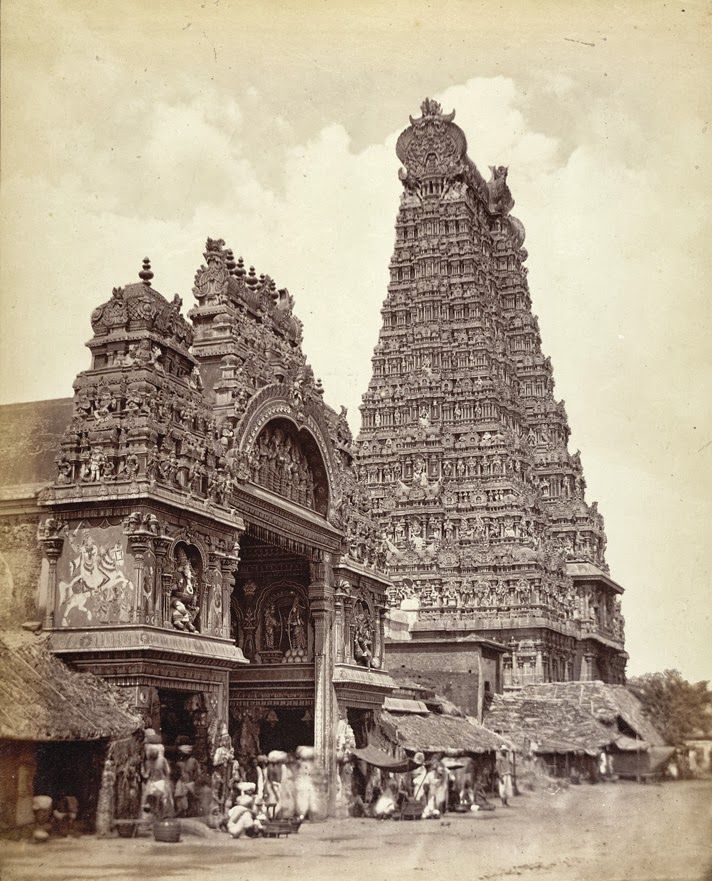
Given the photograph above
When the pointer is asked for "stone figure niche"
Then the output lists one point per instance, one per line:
(186, 590)
(283, 635)
(363, 635)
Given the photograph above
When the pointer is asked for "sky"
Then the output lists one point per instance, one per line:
(132, 130)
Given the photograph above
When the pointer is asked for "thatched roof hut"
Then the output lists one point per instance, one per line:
(613, 705)
(435, 733)
(548, 726)
(573, 717)
(42, 700)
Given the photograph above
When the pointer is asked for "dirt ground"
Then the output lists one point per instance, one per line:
(609, 832)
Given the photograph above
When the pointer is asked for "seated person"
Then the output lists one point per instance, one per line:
(241, 818)
(467, 796)
(481, 802)
(385, 804)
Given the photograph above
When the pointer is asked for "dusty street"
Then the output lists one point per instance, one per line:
(608, 832)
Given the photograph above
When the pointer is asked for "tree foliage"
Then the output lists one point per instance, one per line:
(679, 709)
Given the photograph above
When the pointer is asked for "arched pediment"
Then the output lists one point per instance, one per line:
(288, 449)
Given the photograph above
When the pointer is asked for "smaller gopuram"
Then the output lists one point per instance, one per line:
(206, 545)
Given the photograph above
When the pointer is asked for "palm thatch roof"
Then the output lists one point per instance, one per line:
(610, 704)
(41, 699)
(547, 725)
(434, 733)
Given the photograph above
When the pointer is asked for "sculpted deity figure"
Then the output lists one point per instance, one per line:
(93, 469)
(65, 470)
(195, 380)
(270, 625)
(296, 625)
(180, 616)
(185, 574)
(156, 358)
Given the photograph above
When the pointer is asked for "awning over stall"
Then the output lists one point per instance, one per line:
(380, 759)
(404, 705)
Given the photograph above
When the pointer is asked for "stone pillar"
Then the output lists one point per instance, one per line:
(321, 602)
(339, 647)
(51, 542)
(228, 567)
(380, 650)
(164, 579)
(539, 666)
(587, 667)
(143, 610)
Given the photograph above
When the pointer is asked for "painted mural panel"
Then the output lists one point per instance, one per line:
(95, 578)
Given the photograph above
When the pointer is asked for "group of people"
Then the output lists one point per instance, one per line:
(433, 788)
(234, 799)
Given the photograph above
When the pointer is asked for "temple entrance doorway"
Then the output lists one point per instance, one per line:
(182, 722)
(293, 727)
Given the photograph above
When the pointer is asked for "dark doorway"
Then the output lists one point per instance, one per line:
(361, 722)
(72, 768)
(294, 727)
(176, 718)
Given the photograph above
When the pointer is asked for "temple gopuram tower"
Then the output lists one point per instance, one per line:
(463, 445)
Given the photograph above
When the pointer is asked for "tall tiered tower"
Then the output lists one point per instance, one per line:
(463, 445)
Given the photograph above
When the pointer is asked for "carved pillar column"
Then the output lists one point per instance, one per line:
(339, 647)
(139, 543)
(588, 665)
(164, 581)
(52, 543)
(539, 666)
(228, 567)
(380, 652)
(349, 630)
(515, 665)
(321, 602)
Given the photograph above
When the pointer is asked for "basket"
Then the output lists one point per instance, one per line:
(277, 828)
(411, 810)
(167, 830)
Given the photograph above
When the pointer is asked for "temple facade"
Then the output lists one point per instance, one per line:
(463, 445)
(205, 544)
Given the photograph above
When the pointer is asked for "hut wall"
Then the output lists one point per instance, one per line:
(17, 771)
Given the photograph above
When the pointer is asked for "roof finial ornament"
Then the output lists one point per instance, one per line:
(240, 270)
(431, 107)
(432, 113)
(145, 274)
(230, 262)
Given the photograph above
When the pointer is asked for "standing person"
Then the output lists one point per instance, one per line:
(504, 775)
(432, 785)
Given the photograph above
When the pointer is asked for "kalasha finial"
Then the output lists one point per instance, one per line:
(145, 274)
(251, 279)
(230, 262)
(240, 271)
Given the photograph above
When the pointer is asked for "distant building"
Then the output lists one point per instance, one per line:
(463, 446)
